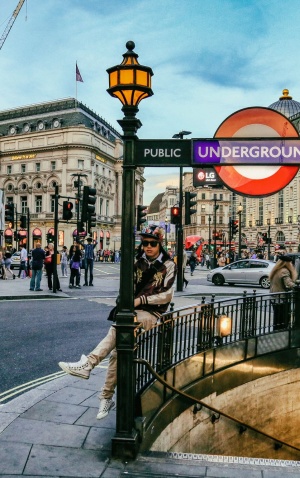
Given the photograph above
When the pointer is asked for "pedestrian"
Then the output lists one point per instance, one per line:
(207, 260)
(222, 260)
(282, 278)
(75, 265)
(154, 276)
(2, 264)
(7, 263)
(23, 262)
(37, 261)
(184, 262)
(89, 261)
(49, 266)
(64, 262)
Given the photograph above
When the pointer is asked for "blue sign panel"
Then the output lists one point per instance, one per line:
(246, 151)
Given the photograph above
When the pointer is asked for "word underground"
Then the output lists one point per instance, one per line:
(217, 151)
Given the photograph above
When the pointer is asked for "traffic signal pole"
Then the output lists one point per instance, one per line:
(180, 237)
(55, 240)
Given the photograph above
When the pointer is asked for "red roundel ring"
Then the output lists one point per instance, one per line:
(256, 181)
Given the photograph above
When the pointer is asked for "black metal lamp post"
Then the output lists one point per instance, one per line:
(216, 207)
(166, 228)
(239, 211)
(180, 135)
(130, 82)
(209, 234)
(269, 237)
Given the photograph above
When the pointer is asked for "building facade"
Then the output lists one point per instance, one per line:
(58, 144)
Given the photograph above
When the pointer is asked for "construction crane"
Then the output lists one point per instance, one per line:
(11, 22)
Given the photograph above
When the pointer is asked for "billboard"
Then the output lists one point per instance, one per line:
(206, 177)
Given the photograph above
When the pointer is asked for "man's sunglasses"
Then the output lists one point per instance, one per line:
(149, 243)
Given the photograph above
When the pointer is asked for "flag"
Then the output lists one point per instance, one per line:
(78, 75)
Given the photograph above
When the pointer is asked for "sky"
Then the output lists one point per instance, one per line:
(210, 58)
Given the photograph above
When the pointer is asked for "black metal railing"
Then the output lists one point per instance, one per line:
(182, 333)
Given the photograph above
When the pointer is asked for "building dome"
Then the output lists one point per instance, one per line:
(286, 105)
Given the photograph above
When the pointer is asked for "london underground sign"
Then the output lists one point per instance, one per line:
(257, 181)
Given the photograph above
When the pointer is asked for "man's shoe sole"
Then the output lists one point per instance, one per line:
(71, 372)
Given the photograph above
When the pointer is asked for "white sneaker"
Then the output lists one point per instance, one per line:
(106, 404)
(80, 369)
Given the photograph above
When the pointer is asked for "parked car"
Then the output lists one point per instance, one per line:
(247, 271)
(15, 260)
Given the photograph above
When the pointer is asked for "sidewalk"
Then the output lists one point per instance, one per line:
(52, 430)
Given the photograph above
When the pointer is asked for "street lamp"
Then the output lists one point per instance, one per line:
(130, 82)
(209, 234)
(166, 228)
(239, 211)
(180, 135)
(216, 207)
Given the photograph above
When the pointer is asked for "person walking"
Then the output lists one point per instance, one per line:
(154, 276)
(37, 261)
(7, 263)
(75, 265)
(184, 262)
(64, 262)
(193, 262)
(23, 262)
(89, 261)
(282, 278)
(49, 266)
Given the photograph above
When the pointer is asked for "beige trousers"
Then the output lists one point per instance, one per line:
(108, 345)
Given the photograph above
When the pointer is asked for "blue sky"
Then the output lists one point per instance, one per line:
(209, 58)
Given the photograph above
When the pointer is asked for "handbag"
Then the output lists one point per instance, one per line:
(48, 259)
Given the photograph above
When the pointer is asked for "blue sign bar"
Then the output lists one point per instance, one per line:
(240, 151)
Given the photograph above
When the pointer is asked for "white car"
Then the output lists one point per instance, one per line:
(245, 271)
(15, 260)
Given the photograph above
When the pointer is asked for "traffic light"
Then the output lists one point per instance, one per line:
(49, 237)
(9, 213)
(91, 221)
(88, 202)
(23, 222)
(67, 210)
(265, 237)
(175, 215)
(216, 235)
(234, 227)
(141, 213)
(15, 236)
(81, 227)
(190, 202)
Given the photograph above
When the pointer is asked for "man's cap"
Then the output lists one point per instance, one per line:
(153, 232)
(285, 258)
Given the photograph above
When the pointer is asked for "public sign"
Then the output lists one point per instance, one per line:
(257, 122)
(163, 152)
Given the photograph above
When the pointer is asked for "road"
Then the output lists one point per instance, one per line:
(36, 334)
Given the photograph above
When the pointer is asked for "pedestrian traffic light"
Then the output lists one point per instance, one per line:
(141, 216)
(91, 221)
(88, 202)
(49, 237)
(23, 222)
(175, 215)
(190, 202)
(9, 213)
(234, 227)
(67, 210)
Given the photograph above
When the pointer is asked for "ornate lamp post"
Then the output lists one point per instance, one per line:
(166, 228)
(239, 211)
(130, 82)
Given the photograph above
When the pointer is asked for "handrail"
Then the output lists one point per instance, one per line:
(278, 442)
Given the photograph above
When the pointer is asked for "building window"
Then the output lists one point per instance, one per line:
(38, 185)
(203, 196)
(52, 203)
(53, 165)
(9, 187)
(23, 186)
(107, 208)
(9, 169)
(260, 211)
(103, 171)
(101, 206)
(9, 199)
(80, 164)
(221, 197)
(24, 204)
(38, 203)
(23, 168)
(280, 205)
(37, 167)
(202, 220)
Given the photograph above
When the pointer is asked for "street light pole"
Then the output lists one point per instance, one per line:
(216, 206)
(209, 234)
(130, 93)
(180, 135)
(166, 228)
(239, 211)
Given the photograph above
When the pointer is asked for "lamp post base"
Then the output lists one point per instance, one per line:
(126, 447)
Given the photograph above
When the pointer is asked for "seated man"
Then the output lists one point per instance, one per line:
(154, 276)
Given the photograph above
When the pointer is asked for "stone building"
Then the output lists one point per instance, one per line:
(56, 144)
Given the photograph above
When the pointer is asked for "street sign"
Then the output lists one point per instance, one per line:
(256, 181)
(163, 152)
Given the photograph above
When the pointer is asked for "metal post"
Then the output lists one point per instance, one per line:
(209, 234)
(180, 237)
(55, 239)
(28, 239)
(125, 441)
(240, 235)
(269, 241)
